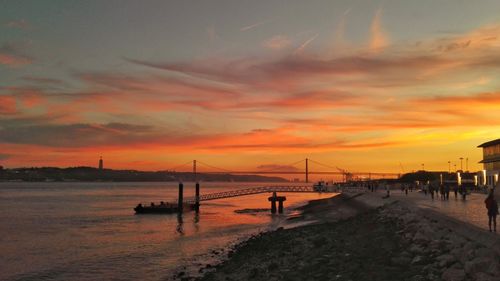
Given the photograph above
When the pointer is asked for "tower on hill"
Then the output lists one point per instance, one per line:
(101, 166)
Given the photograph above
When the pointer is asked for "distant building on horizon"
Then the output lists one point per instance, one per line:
(491, 162)
(101, 164)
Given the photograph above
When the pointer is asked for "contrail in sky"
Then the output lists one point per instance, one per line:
(245, 28)
(303, 46)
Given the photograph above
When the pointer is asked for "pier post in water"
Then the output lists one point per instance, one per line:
(181, 197)
(197, 197)
(273, 200)
(280, 206)
(273, 206)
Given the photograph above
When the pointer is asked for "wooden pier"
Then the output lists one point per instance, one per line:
(193, 203)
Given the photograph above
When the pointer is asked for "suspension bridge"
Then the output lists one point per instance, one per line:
(308, 167)
(193, 203)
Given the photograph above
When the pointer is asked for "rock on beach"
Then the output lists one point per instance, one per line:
(385, 241)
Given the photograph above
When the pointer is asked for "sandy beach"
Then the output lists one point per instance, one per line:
(364, 237)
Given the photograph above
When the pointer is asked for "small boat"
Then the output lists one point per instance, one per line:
(162, 208)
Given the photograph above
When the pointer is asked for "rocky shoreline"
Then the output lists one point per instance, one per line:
(363, 237)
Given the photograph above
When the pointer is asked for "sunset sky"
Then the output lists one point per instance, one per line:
(380, 86)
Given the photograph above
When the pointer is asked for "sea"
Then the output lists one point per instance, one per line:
(89, 231)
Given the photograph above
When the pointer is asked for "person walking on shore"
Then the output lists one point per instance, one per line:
(464, 192)
(492, 206)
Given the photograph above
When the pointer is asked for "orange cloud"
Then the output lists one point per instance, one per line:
(7, 105)
(305, 104)
(13, 60)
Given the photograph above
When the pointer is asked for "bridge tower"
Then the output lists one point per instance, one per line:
(307, 170)
(194, 170)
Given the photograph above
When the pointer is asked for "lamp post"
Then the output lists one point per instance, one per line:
(449, 167)
(455, 167)
(467, 164)
(423, 169)
(461, 163)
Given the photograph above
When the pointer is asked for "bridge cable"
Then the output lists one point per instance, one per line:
(324, 165)
(277, 168)
(213, 167)
(179, 166)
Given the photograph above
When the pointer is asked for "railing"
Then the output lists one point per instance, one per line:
(266, 189)
(250, 191)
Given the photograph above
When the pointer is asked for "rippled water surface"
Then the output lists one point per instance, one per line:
(88, 231)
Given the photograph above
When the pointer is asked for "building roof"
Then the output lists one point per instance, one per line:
(490, 160)
(490, 143)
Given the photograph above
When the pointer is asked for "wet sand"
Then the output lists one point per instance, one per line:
(365, 237)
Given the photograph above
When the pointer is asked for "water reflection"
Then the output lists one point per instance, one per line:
(96, 220)
(196, 220)
(180, 222)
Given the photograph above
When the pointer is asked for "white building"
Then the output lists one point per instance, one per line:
(491, 162)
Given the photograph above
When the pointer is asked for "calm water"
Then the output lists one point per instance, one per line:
(88, 231)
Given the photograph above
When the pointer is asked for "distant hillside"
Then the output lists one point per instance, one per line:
(93, 174)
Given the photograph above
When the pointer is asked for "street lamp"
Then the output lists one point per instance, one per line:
(455, 167)
(467, 164)
(449, 167)
(461, 163)
(423, 169)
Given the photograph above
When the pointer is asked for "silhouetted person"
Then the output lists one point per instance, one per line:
(388, 190)
(455, 189)
(464, 192)
(431, 190)
(492, 206)
(447, 192)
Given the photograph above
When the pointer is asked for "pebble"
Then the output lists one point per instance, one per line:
(481, 276)
(403, 261)
(453, 274)
(446, 260)
(477, 265)
(456, 258)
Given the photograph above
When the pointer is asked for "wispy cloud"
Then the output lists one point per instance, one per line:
(42, 80)
(277, 42)
(21, 24)
(379, 38)
(11, 55)
(339, 40)
(303, 103)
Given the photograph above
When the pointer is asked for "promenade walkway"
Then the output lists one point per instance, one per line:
(472, 210)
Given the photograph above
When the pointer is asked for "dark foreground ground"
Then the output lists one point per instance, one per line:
(353, 240)
(359, 248)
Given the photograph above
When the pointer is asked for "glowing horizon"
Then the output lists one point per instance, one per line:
(381, 86)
